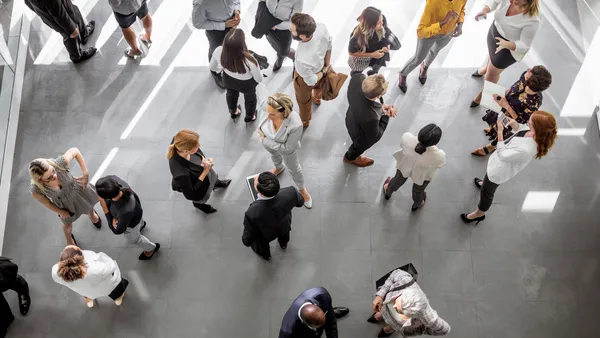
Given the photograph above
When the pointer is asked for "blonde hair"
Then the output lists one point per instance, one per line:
(185, 139)
(282, 103)
(532, 8)
(374, 86)
(71, 266)
(37, 169)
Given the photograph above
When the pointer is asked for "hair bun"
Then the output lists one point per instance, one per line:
(420, 148)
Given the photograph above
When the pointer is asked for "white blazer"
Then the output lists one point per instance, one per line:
(509, 159)
(102, 277)
(287, 139)
(422, 167)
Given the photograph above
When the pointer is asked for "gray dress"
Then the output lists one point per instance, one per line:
(71, 197)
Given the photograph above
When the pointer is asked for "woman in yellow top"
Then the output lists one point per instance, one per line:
(441, 21)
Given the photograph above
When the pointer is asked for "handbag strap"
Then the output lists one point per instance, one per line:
(404, 286)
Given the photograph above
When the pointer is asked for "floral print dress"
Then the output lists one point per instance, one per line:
(522, 103)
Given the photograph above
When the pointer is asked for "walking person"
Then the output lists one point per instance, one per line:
(270, 216)
(404, 308)
(441, 21)
(126, 12)
(53, 185)
(369, 46)
(419, 159)
(280, 131)
(530, 141)
(240, 73)
(11, 280)
(311, 62)
(216, 18)
(311, 314)
(64, 17)
(90, 274)
(192, 172)
(515, 26)
(367, 116)
(123, 211)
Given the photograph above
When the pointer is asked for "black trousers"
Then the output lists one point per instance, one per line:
(215, 39)
(73, 46)
(9, 280)
(262, 248)
(486, 197)
(280, 40)
(356, 149)
(418, 191)
(234, 88)
(119, 290)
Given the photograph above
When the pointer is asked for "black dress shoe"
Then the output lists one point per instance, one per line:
(206, 208)
(372, 319)
(98, 224)
(476, 74)
(86, 54)
(24, 298)
(218, 80)
(89, 29)
(474, 104)
(279, 62)
(340, 312)
(222, 183)
(382, 334)
(143, 257)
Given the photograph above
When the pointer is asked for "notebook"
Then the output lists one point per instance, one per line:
(250, 181)
(487, 99)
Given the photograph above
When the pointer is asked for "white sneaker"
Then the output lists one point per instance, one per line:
(308, 204)
(90, 303)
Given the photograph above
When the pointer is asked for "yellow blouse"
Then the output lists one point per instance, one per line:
(435, 11)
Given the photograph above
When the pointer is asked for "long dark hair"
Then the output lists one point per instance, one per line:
(367, 23)
(235, 55)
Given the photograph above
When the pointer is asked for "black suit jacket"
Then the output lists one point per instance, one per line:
(8, 273)
(364, 119)
(264, 21)
(265, 220)
(184, 180)
(293, 327)
(57, 14)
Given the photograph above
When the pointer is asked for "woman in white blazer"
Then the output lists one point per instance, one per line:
(90, 274)
(516, 23)
(280, 130)
(530, 141)
(418, 158)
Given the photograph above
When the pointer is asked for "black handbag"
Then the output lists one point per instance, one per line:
(410, 268)
(392, 39)
(263, 62)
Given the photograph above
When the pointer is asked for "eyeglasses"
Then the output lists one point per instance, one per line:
(52, 176)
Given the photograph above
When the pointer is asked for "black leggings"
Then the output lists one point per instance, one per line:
(486, 197)
(234, 88)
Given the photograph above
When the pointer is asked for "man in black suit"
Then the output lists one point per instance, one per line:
(270, 216)
(11, 280)
(310, 314)
(367, 116)
(66, 19)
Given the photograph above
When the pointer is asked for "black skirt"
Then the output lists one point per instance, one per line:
(502, 59)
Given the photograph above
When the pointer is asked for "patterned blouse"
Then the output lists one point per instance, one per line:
(522, 103)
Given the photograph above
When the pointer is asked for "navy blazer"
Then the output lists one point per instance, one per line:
(293, 327)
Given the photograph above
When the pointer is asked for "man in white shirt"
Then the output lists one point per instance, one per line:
(280, 37)
(311, 62)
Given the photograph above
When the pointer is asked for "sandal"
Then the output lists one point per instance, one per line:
(477, 152)
(146, 43)
(133, 56)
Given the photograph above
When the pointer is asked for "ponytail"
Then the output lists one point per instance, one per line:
(420, 148)
(171, 152)
(72, 265)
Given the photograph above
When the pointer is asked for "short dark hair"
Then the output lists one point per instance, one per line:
(268, 184)
(539, 80)
(305, 24)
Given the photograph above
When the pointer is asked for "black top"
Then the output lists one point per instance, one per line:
(185, 177)
(265, 220)
(365, 120)
(293, 327)
(373, 44)
(56, 14)
(127, 210)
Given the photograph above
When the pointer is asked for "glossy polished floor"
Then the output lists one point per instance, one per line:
(530, 270)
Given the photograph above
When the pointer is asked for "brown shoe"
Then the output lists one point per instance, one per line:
(361, 161)
(316, 100)
(305, 124)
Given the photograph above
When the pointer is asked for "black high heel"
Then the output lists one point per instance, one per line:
(476, 74)
(474, 104)
(478, 182)
(422, 204)
(372, 319)
(237, 113)
(382, 334)
(250, 118)
(471, 220)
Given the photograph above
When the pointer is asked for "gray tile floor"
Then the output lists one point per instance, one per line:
(518, 274)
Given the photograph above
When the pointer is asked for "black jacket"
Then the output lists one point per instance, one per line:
(364, 118)
(128, 209)
(265, 220)
(184, 180)
(264, 21)
(293, 327)
(57, 14)
(8, 273)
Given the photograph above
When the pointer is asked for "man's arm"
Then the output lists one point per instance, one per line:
(200, 21)
(374, 129)
(331, 329)
(248, 235)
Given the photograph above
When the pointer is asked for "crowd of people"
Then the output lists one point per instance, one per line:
(519, 134)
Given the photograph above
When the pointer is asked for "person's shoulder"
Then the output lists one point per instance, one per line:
(409, 138)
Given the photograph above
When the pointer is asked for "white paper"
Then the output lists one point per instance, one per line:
(487, 98)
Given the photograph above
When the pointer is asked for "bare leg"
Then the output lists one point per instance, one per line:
(94, 216)
(129, 35)
(483, 69)
(68, 231)
(378, 316)
(475, 214)
(147, 22)
(493, 75)
(388, 329)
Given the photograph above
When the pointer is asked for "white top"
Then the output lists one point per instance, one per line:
(509, 159)
(520, 29)
(252, 70)
(102, 277)
(287, 139)
(310, 56)
(283, 10)
(421, 167)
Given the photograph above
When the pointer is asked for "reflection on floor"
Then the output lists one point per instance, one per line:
(530, 270)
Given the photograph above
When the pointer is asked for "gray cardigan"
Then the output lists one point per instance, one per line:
(287, 138)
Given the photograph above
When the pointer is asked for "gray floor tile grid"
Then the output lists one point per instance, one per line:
(517, 274)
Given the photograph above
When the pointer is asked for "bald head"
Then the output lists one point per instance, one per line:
(313, 315)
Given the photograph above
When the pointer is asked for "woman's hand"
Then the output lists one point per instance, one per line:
(83, 180)
(481, 15)
(378, 54)
(261, 135)
(207, 164)
(502, 44)
(501, 101)
(114, 223)
(499, 127)
(63, 214)
(377, 302)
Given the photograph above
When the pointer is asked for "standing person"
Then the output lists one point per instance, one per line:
(64, 17)
(441, 21)
(240, 73)
(368, 46)
(90, 274)
(404, 307)
(126, 12)
(192, 172)
(123, 211)
(310, 314)
(516, 23)
(270, 216)
(419, 159)
(53, 185)
(280, 131)
(11, 280)
(216, 17)
(530, 141)
(279, 36)
(311, 62)
(367, 116)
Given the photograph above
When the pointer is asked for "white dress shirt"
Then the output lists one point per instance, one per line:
(520, 29)
(252, 70)
(509, 159)
(283, 10)
(310, 56)
(419, 167)
(102, 277)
